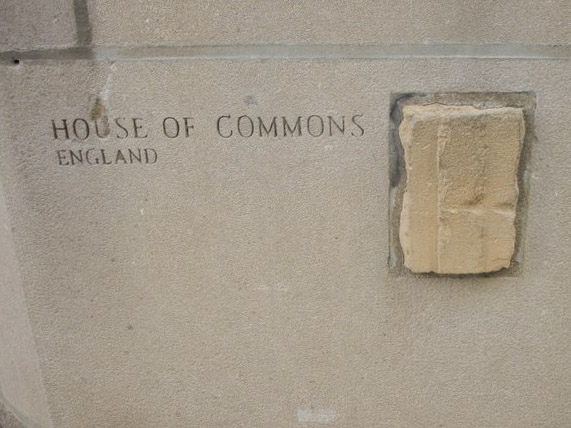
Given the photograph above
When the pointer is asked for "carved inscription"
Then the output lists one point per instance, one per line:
(313, 125)
(89, 141)
(81, 130)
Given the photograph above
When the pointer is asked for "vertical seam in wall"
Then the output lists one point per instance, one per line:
(82, 23)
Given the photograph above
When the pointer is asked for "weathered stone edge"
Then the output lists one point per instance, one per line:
(8, 419)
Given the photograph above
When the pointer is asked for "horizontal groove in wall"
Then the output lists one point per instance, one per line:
(326, 52)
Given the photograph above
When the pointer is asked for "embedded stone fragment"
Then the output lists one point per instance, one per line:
(459, 204)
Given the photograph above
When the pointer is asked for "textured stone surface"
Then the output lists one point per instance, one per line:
(36, 24)
(244, 281)
(20, 376)
(59, 23)
(461, 192)
(7, 419)
(152, 22)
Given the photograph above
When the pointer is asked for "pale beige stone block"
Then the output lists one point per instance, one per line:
(155, 22)
(242, 281)
(459, 204)
(26, 25)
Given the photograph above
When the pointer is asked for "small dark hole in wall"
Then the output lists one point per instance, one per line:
(16, 61)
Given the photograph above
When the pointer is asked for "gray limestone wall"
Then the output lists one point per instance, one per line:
(195, 217)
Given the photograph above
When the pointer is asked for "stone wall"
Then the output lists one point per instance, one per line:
(200, 204)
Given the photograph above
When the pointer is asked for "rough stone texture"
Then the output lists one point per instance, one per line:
(461, 192)
(26, 25)
(244, 281)
(20, 376)
(335, 21)
(7, 419)
(36, 24)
